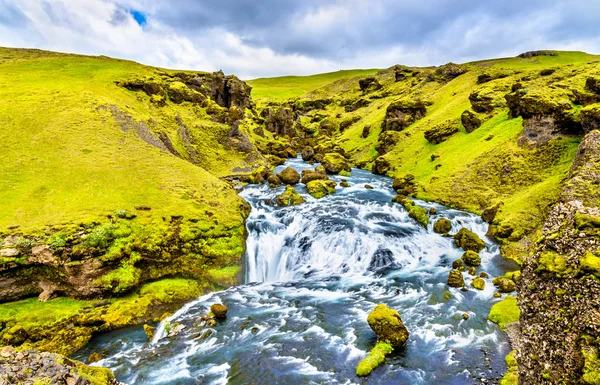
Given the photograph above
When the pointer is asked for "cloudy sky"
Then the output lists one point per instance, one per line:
(255, 38)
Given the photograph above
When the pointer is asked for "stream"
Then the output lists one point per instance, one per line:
(313, 274)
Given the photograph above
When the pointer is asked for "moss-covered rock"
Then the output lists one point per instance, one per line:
(375, 358)
(504, 285)
(289, 197)
(468, 240)
(219, 310)
(478, 283)
(381, 166)
(553, 262)
(442, 132)
(415, 212)
(334, 163)
(149, 330)
(442, 226)
(388, 326)
(471, 258)
(591, 367)
(512, 375)
(455, 278)
(405, 184)
(274, 181)
(505, 312)
(320, 188)
(404, 112)
(458, 264)
(307, 154)
(289, 176)
(590, 264)
(470, 120)
(316, 174)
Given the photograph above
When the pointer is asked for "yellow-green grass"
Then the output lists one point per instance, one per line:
(279, 89)
(505, 312)
(65, 160)
(562, 58)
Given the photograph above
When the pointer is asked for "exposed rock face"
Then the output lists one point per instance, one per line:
(530, 54)
(381, 166)
(559, 291)
(32, 367)
(387, 140)
(470, 120)
(404, 112)
(450, 71)
(307, 154)
(442, 132)
(370, 83)
(388, 326)
(279, 121)
(486, 100)
(544, 115)
(405, 184)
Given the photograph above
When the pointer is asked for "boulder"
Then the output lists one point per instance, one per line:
(441, 132)
(468, 240)
(370, 83)
(279, 121)
(366, 131)
(316, 174)
(289, 197)
(381, 166)
(486, 100)
(388, 326)
(320, 188)
(471, 258)
(307, 154)
(504, 284)
(274, 181)
(289, 176)
(334, 163)
(219, 310)
(415, 212)
(442, 226)
(457, 264)
(368, 187)
(450, 71)
(344, 183)
(387, 140)
(95, 357)
(470, 120)
(455, 278)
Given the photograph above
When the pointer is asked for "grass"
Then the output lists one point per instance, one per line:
(65, 159)
(505, 312)
(279, 89)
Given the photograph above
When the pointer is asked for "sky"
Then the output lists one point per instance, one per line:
(264, 38)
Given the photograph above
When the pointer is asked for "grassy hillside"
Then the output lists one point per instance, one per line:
(282, 88)
(492, 165)
(105, 186)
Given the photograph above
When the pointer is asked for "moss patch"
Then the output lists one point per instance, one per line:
(505, 312)
(375, 358)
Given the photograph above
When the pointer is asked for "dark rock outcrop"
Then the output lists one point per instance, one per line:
(381, 166)
(470, 120)
(279, 121)
(404, 112)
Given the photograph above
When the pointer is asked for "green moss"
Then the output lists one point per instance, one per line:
(590, 263)
(415, 212)
(478, 283)
(388, 326)
(505, 312)
(344, 173)
(375, 358)
(512, 375)
(553, 262)
(94, 374)
(591, 368)
(320, 188)
(289, 197)
(468, 240)
(588, 223)
(226, 276)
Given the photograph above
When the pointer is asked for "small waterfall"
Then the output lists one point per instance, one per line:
(314, 272)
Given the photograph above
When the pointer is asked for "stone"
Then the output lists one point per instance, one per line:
(381, 166)
(316, 174)
(274, 181)
(368, 187)
(307, 154)
(468, 240)
(404, 112)
(219, 310)
(320, 188)
(457, 264)
(478, 283)
(334, 163)
(388, 326)
(471, 258)
(455, 279)
(149, 330)
(289, 176)
(9, 253)
(289, 197)
(504, 284)
(470, 121)
(442, 226)
(441, 132)
(95, 357)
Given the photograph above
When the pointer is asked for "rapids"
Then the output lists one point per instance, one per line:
(313, 274)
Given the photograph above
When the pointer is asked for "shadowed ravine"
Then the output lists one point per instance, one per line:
(314, 272)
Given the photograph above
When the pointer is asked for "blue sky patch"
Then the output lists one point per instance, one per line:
(139, 17)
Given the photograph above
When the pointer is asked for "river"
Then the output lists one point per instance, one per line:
(314, 272)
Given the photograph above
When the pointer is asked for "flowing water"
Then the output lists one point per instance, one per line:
(313, 274)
